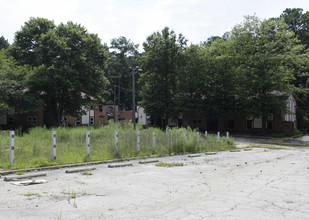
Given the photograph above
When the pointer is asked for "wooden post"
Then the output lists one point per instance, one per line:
(153, 141)
(205, 134)
(218, 136)
(12, 136)
(54, 145)
(137, 141)
(87, 143)
(116, 142)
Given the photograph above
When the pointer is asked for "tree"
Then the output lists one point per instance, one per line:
(13, 86)
(267, 55)
(3, 43)
(71, 62)
(122, 57)
(160, 61)
(298, 22)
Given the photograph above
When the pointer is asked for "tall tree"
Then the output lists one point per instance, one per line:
(122, 56)
(72, 62)
(160, 61)
(297, 21)
(267, 54)
(4, 43)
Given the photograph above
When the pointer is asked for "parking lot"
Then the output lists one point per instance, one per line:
(256, 184)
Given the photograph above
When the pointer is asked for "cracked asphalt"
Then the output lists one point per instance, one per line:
(257, 184)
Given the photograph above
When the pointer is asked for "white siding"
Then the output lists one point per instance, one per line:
(291, 110)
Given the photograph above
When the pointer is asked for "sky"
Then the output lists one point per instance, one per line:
(197, 20)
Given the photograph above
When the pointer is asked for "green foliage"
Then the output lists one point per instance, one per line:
(4, 44)
(71, 61)
(161, 61)
(122, 56)
(34, 148)
(14, 84)
(160, 164)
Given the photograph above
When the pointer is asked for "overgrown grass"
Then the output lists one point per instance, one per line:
(160, 164)
(267, 146)
(34, 149)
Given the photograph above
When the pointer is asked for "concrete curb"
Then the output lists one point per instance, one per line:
(27, 176)
(120, 165)
(149, 161)
(80, 170)
(55, 167)
(194, 155)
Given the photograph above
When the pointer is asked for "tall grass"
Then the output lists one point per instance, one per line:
(34, 149)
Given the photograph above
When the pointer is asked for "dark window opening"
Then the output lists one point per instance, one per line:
(269, 125)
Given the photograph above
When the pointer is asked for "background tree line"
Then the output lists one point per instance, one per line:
(246, 72)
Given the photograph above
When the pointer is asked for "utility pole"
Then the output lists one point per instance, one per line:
(115, 103)
(134, 71)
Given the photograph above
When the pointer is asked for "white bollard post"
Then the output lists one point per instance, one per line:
(137, 140)
(218, 136)
(12, 136)
(153, 141)
(227, 134)
(205, 134)
(116, 142)
(87, 143)
(54, 145)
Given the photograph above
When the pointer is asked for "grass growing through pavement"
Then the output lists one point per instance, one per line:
(267, 146)
(34, 149)
(160, 164)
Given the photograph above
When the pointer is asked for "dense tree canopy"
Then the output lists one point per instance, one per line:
(161, 61)
(247, 72)
(13, 85)
(4, 44)
(122, 57)
(71, 62)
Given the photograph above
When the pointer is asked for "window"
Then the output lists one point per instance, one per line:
(32, 120)
(101, 108)
(29, 120)
(78, 121)
(269, 125)
(64, 120)
(91, 120)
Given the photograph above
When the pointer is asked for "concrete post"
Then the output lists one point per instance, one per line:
(12, 143)
(116, 142)
(205, 134)
(218, 136)
(87, 143)
(197, 136)
(227, 134)
(137, 141)
(54, 145)
(153, 141)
